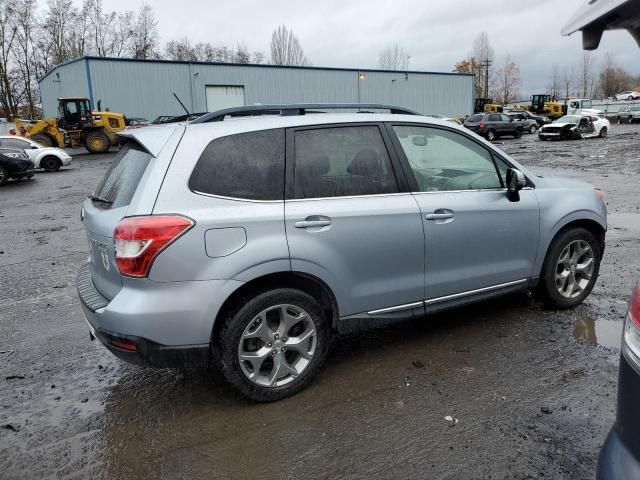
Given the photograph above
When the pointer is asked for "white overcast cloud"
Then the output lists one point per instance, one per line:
(437, 34)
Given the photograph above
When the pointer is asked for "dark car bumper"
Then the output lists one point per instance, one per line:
(131, 348)
(619, 457)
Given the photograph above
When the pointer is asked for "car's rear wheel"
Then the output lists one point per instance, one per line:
(517, 133)
(273, 345)
(491, 135)
(603, 132)
(533, 128)
(570, 268)
(51, 164)
(4, 175)
(619, 121)
(630, 119)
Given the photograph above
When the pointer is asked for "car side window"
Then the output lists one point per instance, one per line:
(505, 118)
(443, 160)
(14, 143)
(494, 117)
(342, 161)
(246, 166)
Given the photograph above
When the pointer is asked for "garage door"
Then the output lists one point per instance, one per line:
(224, 96)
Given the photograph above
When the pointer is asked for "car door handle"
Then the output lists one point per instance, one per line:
(312, 223)
(439, 216)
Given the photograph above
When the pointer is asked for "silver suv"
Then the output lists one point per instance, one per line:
(247, 240)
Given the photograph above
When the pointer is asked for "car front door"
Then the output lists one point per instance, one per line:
(475, 237)
(351, 221)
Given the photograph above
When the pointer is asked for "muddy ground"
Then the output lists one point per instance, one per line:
(69, 409)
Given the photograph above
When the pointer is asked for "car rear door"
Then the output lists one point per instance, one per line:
(475, 238)
(350, 219)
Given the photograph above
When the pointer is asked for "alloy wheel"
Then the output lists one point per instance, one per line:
(277, 345)
(574, 268)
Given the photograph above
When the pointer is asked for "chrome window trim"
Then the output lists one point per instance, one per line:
(238, 199)
(347, 197)
(472, 292)
(462, 191)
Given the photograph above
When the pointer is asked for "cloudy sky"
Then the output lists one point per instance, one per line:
(436, 33)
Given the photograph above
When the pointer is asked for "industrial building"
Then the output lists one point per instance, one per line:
(144, 88)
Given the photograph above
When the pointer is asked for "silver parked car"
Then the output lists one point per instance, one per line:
(249, 242)
(629, 114)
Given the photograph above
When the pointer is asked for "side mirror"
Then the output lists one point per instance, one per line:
(516, 181)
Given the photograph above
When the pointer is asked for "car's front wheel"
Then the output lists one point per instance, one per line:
(570, 268)
(273, 345)
(603, 132)
(533, 128)
(517, 133)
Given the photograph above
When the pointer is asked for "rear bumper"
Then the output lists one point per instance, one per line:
(154, 324)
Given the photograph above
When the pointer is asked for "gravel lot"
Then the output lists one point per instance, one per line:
(533, 390)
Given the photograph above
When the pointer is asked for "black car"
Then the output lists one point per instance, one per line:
(620, 454)
(14, 163)
(540, 119)
(493, 125)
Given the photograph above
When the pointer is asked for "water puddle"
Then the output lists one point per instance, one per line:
(606, 333)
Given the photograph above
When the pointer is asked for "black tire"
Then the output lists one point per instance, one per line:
(226, 343)
(4, 175)
(491, 135)
(619, 121)
(603, 132)
(50, 164)
(630, 121)
(97, 141)
(629, 98)
(547, 289)
(44, 140)
(533, 128)
(518, 133)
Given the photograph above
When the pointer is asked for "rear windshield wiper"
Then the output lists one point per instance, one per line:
(98, 198)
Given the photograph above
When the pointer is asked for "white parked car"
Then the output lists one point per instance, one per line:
(573, 127)
(627, 95)
(47, 158)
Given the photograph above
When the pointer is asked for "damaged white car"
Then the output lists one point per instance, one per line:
(575, 127)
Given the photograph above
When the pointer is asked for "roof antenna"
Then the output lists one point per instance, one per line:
(181, 104)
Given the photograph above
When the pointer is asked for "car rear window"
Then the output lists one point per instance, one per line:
(121, 180)
(474, 118)
(247, 166)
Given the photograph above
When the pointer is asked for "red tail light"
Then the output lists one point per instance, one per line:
(482, 125)
(139, 240)
(634, 306)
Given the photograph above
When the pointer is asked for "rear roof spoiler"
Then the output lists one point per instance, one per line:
(151, 138)
(600, 15)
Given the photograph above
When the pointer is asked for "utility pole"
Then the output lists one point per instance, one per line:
(486, 64)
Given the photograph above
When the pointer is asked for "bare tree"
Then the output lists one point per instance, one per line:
(242, 54)
(7, 39)
(508, 81)
(144, 37)
(554, 87)
(484, 54)
(393, 57)
(24, 55)
(257, 57)
(180, 50)
(567, 80)
(613, 78)
(286, 48)
(586, 75)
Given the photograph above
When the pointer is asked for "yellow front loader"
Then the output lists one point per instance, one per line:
(76, 126)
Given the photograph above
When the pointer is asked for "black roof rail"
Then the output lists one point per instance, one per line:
(297, 109)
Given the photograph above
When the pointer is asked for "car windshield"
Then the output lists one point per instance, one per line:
(568, 119)
(474, 118)
(635, 109)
